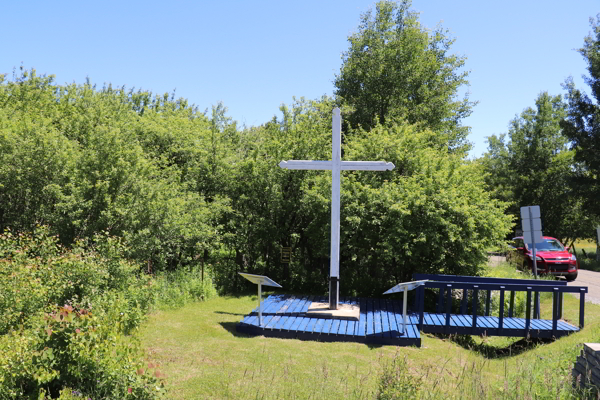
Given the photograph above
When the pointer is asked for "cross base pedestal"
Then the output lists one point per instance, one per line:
(350, 312)
(334, 292)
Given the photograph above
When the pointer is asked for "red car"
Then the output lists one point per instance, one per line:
(551, 256)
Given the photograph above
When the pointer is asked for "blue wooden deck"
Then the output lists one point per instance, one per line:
(379, 323)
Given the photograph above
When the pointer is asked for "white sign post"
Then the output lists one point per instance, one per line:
(532, 233)
(532, 230)
(336, 165)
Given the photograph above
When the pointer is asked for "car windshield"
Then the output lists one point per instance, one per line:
(547, 245)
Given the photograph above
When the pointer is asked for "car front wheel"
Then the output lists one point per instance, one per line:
(571, 277)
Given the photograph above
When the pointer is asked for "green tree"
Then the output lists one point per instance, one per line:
(397, 70)
(535, 167)
(430, 214)
(582, 125)
(86, 161)
(35, 157)
(268, 202)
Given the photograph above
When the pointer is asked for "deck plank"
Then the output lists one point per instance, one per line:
(385, 319)
(362, 321)
(377, 318)
(392, 307)
(370, 325)
(283, 306)
(335, 327)
(319, 326)
(327, 326)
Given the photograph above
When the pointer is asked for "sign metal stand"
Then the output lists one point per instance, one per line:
(260, 280)
(405, 287)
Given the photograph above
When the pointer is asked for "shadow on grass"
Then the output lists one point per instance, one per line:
(230, 327)
(493, 352)
(229, 313)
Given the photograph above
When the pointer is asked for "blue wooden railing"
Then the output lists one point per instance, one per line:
(446, 283)
(478, 279)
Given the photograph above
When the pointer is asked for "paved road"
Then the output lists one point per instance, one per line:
(590, 279)
(587, 278)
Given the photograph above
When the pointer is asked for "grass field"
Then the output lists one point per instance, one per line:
(586, 254)
(203, 357)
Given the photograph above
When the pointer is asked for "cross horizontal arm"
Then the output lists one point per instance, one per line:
(367, 166)
(305, 164)
(345, 165)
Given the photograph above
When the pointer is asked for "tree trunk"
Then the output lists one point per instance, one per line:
(204, 258)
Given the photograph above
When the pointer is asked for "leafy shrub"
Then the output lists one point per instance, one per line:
(46, 349)
(36, 271)
(71, 347)
(68, 317)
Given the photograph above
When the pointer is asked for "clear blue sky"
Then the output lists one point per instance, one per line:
(255, 55)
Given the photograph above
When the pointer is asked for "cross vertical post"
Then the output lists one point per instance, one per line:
(336, 158)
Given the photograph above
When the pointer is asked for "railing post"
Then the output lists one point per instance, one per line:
(501, 312)
(560, 304)
(528, 311)
(581, 307)
(440, 303)
(488, 298)
(511, 306)
(448, 305)
(421, 291)
(555, 296)
(463, 305)
(536, 306)
(415, 306)
(474, 293)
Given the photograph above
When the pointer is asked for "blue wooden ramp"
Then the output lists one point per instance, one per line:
(380, 321)
(463, 306)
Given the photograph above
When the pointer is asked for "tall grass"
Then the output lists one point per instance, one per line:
(549, 379)
(175, 289)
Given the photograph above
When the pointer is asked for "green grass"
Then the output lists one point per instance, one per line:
(586, 254)
(203, 357)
